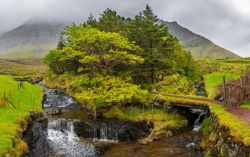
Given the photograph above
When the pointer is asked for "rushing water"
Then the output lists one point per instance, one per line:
(61, 135)
(198, 121)
(64, 142)
(104, 132)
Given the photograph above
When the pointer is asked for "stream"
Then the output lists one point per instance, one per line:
(70, 132)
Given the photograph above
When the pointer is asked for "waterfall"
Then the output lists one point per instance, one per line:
(197, 123)
(64, 142)
(106, 132)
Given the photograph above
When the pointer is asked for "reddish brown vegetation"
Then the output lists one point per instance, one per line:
(236, 91)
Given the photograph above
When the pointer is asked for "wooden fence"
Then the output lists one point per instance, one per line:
(237, 91)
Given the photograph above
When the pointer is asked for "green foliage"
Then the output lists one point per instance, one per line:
(11, 119)
(93, 50)
(162, 52)
(110, 21)
(115, 113)
(65, 59)
(174, 84)
(109, 90)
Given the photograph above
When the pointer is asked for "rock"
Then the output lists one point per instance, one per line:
(200, 88)
(56, 111)
(35, 136)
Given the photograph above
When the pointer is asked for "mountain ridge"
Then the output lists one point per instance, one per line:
(35, 38)
(199, 46)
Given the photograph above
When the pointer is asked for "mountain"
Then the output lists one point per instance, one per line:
(199, 46)
(35, 38)
(32, 39)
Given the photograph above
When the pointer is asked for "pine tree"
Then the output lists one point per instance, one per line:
(110, 21)
(91, 21)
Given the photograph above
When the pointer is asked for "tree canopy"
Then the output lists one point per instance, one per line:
(114, 49)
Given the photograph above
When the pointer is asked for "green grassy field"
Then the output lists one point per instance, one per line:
(22, 67)
(246, 104)
(213, 80)
(27, 99)
(214, 70)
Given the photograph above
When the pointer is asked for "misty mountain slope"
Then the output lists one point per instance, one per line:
(35, 38)
(32, 39)
(199, 46)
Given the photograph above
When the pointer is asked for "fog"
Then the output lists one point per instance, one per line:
(225, 22)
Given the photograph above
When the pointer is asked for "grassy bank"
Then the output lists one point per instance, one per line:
(239, 129)
(165, 124)
(12, 117)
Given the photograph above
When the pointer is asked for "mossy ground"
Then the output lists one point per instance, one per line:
(27, 99)
(164, 123)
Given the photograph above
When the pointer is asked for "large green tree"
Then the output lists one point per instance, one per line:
(93, 51)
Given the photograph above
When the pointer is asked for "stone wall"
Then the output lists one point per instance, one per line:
(224, 145)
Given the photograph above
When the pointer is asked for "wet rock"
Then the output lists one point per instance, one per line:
(56, 111)
(123, 130)
(35, 136)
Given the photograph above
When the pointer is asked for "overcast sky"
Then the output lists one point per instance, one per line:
(225, 22)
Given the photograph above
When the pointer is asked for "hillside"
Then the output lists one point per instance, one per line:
(199, 46)
(32, 39)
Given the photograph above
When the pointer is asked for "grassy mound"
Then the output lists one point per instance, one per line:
(164, 123)
(13, 117)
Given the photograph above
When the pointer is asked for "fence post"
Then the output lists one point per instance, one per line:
(241, 90)
(225, 90)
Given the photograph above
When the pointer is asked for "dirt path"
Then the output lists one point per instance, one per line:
(242, 114)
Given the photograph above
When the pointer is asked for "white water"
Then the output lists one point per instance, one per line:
(107, 133)
(197, 124)
(65, 143)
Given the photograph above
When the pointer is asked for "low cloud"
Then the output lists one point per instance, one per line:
(225, 22)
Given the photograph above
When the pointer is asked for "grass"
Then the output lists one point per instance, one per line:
(176, 85)
(164, 123)
(239, 130)
(24, 67)
(236, 60)
(245, 105)
(213, 80)
(27, 99)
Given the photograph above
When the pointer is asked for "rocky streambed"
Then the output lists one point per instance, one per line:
(68, 130)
